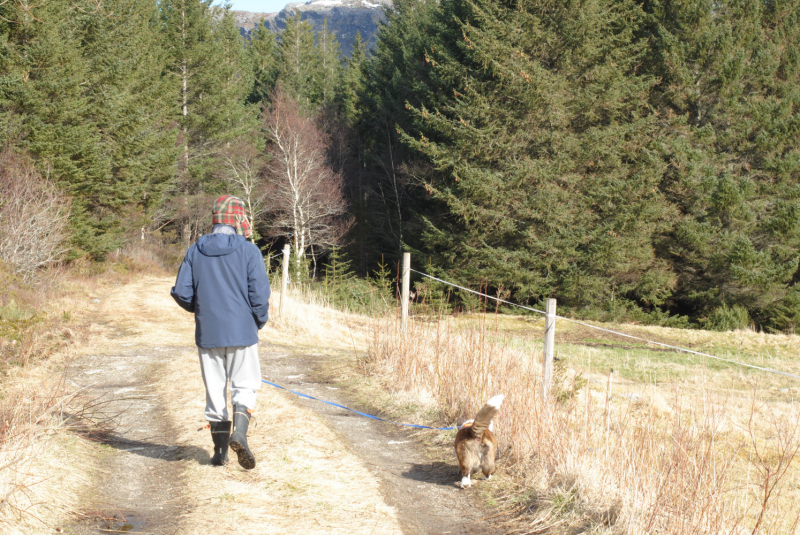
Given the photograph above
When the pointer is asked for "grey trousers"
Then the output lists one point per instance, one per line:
(240, 365)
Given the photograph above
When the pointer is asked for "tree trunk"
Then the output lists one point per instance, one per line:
(184, 95)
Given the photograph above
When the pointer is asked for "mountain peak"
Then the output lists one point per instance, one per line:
(345, 18)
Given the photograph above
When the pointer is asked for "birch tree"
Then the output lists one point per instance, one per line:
(305, 198)
(244, 171)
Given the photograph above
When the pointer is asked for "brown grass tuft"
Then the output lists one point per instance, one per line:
(643, 458)
(38, 481)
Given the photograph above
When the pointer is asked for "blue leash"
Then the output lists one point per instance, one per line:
(355, 411)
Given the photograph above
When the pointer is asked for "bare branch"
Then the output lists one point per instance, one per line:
(34, 216)
(244, 171)
(304, 197)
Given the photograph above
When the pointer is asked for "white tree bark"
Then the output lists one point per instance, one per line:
(304, 197)
(244, 171)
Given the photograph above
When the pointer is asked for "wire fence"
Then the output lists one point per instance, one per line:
(595, 327)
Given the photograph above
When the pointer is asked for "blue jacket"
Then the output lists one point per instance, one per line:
(223, 280)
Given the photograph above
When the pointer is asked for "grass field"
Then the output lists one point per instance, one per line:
(668, 443)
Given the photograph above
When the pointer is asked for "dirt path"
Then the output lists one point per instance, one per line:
(423, 489)
(321, 469)
(140, 488)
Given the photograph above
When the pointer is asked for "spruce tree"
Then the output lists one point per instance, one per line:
(187, 34)
(262, 51)
(93, 94)
(349, 90)
(610, 153)
(728, 98)
(48, 112)
(299, 63)
(228, 82)
(531, 142)
(209, 63)
(391, 80)
(329, 73)
(338, 280)
(130, 102)
(351, 83)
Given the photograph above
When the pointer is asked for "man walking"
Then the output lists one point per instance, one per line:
(223, 281)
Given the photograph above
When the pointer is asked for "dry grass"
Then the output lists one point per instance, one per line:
(674, 446)
(36, 409)
(45, 457)
(309, 320)
(643, 457)
(41, 449)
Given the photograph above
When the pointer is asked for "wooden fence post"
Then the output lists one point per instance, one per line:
(406, 289)
(549, 343)
(285, 278)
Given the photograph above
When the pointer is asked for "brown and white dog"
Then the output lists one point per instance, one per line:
(476, 446)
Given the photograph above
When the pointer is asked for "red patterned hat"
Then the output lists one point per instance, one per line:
(230, 210)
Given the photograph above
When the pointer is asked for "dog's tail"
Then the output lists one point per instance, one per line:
(485, 415)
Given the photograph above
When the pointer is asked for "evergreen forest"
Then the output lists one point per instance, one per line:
(636, 160)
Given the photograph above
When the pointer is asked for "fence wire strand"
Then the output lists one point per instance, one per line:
(676, 348)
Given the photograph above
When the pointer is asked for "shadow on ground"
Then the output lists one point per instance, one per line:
(435, 473)
(154, 450)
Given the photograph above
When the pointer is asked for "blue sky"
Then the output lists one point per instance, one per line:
(259, 6)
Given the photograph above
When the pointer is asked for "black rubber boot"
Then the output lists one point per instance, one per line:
(241, 419)
(220, 434)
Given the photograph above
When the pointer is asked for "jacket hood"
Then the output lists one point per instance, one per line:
(219, 244)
